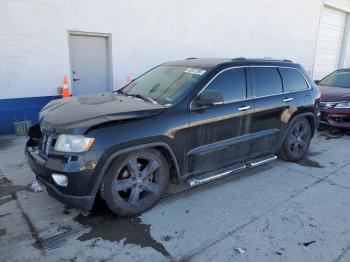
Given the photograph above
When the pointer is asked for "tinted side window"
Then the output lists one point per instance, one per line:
(231, 83)
(292, 80)
(266, 80)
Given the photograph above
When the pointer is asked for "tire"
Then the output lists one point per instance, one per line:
(135, 182)
(297, 141)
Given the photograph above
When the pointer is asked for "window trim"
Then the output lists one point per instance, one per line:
(285, 91)
(253, 84)
(252, 96)
(246, 85)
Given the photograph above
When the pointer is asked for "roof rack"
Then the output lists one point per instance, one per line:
(243, 59)
(190, 58)
(274, 59)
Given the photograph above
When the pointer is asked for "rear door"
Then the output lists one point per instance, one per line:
(296, 90)
(270, 106)
(218, 134)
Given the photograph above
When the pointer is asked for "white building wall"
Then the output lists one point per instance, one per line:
(34, 53)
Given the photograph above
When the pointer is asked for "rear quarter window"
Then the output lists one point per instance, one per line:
(293, 80)
(266, 81)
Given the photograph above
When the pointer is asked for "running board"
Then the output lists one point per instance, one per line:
(262, 161)
(196, 181)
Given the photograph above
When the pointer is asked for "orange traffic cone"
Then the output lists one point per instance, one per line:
(128, 79)
(65, 88)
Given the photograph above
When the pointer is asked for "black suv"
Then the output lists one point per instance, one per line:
(192, 120)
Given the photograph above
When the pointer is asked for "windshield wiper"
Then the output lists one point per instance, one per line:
(145, 98)
(119, 92)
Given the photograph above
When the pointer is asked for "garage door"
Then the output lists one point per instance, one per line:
(329, 45)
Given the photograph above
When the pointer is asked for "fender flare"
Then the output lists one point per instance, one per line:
(117, 153)
(294, 118)
(308, 115)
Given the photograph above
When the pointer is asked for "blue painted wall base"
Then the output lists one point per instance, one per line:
(19, 109)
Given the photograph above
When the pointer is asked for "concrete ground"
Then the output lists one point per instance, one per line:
(278, 212)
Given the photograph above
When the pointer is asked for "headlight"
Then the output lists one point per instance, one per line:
(73, 143)
(327, 105)
(342, 105)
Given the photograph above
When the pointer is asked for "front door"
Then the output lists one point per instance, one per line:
(89, 64)
(219, 134)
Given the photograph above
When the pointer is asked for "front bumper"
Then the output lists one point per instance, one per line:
(81, 180)
(336, 117)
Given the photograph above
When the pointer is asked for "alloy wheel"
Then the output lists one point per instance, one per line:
(298, 140)
(138, 180)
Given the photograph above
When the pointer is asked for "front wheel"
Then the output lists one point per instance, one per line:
(297, 141)
(135, 182)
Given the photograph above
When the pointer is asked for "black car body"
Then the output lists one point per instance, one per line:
(201, 131)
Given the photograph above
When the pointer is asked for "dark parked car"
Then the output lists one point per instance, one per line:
(193, 120)
(335, 99)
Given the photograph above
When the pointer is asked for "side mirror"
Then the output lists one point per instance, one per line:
(209, 98)
(317, 81)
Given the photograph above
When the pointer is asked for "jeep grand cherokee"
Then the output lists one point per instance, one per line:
(192, 120)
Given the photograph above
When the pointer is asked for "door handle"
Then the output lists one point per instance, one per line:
(218, 103)
(244, 108)
(288, 99)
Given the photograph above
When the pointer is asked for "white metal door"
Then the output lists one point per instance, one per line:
(329, 43)
(89, 64)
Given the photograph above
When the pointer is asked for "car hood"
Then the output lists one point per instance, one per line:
(334, 94)
(78, 114)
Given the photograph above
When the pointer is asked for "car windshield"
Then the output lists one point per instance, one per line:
(165, 84)
(338, 78)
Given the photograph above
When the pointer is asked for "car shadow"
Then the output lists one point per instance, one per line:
(332, 132)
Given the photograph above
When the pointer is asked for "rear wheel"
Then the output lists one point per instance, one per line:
(135, 182)
(297, 141)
